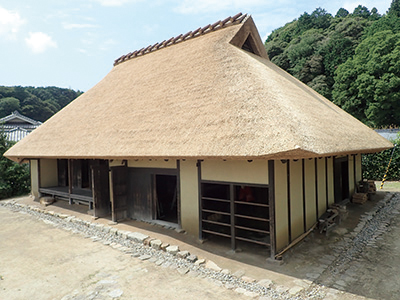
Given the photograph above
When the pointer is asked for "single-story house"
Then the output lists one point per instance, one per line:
(17, 126)
(204, 132)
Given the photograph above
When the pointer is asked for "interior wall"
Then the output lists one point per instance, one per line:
(189, 196)
(241, 171)
(34, 165)
(48, 173)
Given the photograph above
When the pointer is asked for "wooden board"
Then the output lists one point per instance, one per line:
(101, 191)
(119, 203)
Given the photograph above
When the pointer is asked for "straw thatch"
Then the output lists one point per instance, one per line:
(203, 97)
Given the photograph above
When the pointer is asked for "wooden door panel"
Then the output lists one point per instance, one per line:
(101, 191)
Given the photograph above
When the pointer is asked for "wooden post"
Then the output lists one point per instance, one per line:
(70, 179)
(271, 203)
(232, 209)
(200, 200)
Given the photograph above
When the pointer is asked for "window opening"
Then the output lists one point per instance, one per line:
(249, 45)
(239, 213)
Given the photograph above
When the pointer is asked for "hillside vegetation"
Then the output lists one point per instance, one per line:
(353, 59)
(38, 103)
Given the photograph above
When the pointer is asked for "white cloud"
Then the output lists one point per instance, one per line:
(114, 2)
(190, 7)
(78, 26)
(106, 45)
(39, 42)
(10, 22)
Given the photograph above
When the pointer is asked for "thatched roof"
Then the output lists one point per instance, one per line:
(200, 97)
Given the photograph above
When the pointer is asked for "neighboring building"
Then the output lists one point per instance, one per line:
(204, 132)
(17, 126)
(389, 134)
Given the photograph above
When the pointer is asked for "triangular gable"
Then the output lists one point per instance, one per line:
(17, 118)
(248, 38)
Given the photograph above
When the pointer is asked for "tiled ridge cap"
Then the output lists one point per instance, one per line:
(236, 19)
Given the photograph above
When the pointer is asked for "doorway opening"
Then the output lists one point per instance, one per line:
(342, 190)
(166, 198)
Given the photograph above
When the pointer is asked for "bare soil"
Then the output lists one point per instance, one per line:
(39, 261)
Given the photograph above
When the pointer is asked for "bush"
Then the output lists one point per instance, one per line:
(375, 165)
(14, 178)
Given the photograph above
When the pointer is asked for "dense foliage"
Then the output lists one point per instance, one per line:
(14, 178)
(374, 165)
(353, 59)
(38, 103)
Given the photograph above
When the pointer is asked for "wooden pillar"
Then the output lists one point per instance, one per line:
(70, 178)
(271, 202)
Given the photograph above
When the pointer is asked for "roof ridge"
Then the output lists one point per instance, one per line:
(16, 113)
(236, 19)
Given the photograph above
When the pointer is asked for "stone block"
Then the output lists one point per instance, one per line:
(212, 266)
(164, 246)
(155, 244)
(137, 237)
(267, 283)
(238, 273)
(183, 254)
(248, 279)
(191, 258)
(172, 250)
(200, 262)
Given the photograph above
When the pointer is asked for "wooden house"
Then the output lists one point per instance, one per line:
(204, 132)
(17, 126)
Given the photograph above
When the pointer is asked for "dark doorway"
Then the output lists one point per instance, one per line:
(341, 179)
(166, 198)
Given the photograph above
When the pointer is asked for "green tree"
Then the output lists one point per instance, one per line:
(362, 11)
(342, 13)
(375, 165)
(394, 10)
(368, 85)
(14, 178)
(8, 105)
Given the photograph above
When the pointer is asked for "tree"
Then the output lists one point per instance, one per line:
(321, 18)
(14, 178)
(342, 13)
(374, 15)
(8, 105)
(361, 11)
(368, 85)
(374, 165)
(394, 10)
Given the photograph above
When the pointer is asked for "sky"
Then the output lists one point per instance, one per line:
(73, 43)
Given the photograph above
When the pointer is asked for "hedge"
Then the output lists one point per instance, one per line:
(375, 165)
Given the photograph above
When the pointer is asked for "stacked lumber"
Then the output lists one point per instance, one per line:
(371, 187)
(360, 198)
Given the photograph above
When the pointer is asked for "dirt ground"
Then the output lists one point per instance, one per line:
(58, 264)
(39, 261)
